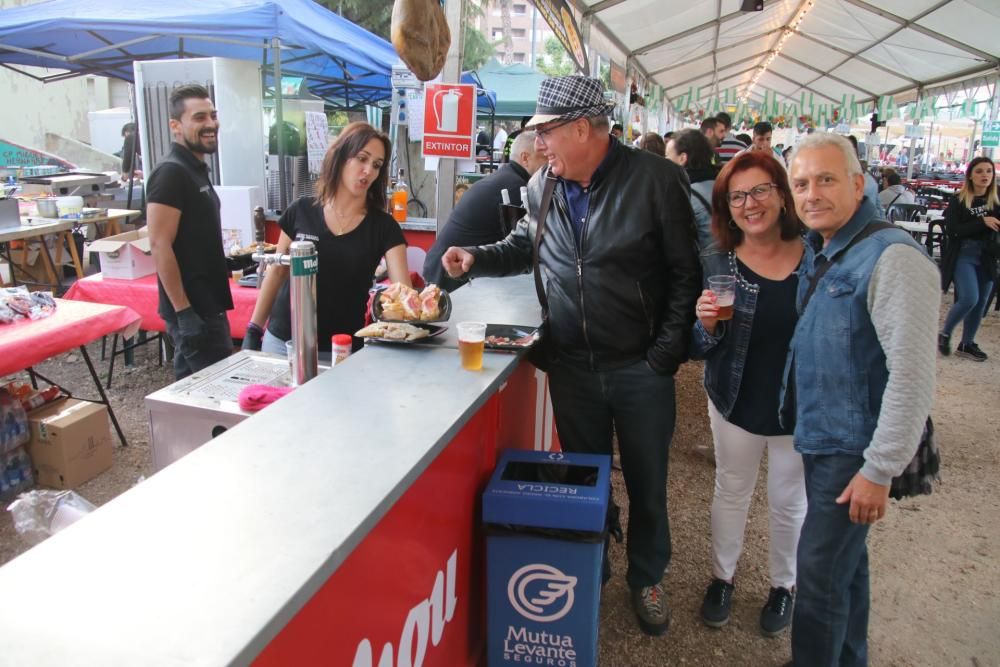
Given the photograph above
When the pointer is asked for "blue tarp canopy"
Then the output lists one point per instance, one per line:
(486, 100)
(344, 64)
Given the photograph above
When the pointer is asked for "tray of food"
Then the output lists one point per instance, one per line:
(399, 303)
(400, 332)
(510, 337)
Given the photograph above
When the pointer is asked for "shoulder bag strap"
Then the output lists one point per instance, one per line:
(543, 211)
(708, 207)
(821, 271)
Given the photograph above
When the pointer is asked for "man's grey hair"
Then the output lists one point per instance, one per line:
(823, 139)
(523, 143)
(600, 123)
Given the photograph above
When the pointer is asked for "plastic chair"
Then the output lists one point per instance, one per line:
(908, 212)
(936, 240)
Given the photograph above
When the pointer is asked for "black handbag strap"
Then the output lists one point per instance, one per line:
(543, 211)
(821, 271)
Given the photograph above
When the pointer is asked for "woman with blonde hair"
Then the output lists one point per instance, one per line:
(347, 221)
(971, 223)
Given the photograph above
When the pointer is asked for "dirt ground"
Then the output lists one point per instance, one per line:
(934, 560)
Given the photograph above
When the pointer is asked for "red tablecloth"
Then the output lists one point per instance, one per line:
(142, 296)
(74, 323)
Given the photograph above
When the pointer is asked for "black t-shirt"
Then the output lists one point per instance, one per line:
(756, 408)
(475, 220)
(181, 181)
(346, 266)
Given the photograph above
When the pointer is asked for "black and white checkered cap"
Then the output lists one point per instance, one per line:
(568, 98)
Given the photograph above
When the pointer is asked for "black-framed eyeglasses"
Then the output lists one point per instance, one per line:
(738, 198)
(542, 134)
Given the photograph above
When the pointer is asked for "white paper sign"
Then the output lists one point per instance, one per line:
(317, 140)
(415, 113)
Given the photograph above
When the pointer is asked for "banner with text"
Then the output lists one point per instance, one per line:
(560, 18)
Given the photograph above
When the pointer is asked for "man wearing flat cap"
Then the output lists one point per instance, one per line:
(618, 276)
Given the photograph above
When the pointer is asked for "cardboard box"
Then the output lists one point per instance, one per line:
(70, 442)
(125, 255)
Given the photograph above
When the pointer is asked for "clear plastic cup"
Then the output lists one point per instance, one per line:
(290, 352)
(471, 342)
(724, 288)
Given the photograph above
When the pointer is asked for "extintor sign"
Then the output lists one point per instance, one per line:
(449, 120)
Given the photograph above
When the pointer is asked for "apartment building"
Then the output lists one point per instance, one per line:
(528, 30)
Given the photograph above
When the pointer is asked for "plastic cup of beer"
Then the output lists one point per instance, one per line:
(237, 275)
(724, 288)
(471, 341)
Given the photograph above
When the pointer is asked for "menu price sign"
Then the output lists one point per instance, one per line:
(449, 120)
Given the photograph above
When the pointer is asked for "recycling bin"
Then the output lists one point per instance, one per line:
(545, 517)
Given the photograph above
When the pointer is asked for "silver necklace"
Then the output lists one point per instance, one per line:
(734, 269)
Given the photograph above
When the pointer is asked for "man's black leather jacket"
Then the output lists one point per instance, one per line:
(629, 291)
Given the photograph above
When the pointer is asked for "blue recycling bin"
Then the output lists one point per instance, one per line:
(545, 516)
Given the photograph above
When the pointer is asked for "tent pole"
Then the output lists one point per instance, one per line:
(913, 140)
(135, 144)
(994, 113)
(279, 117)
(452, 73)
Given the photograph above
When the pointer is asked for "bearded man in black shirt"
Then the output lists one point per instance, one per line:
(185, 233)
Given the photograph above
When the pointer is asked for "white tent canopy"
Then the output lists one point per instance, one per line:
(830, 49)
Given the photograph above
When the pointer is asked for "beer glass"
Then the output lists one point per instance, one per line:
(471, 341)
(724, 288)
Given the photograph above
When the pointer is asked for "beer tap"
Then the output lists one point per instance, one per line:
(304, 263)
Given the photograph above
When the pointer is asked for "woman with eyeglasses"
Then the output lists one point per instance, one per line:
(760, 241)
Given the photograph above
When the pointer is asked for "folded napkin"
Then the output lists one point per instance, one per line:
(256, 397)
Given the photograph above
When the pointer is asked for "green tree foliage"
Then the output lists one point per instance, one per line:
(555, 61)
(375, 16)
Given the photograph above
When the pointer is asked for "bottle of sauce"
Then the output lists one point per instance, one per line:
(400, 197)
(341, 347)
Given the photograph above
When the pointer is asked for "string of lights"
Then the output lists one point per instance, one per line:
(787, 32)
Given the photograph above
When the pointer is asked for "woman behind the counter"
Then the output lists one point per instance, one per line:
(352, 232)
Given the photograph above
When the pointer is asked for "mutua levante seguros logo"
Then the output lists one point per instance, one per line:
(544, 594)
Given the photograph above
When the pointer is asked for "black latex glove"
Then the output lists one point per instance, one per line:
(190, 323)
(253, 337)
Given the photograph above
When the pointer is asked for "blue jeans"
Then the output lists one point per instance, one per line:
(638, 404)
(192, 355)
(973, 285)
(830, 621)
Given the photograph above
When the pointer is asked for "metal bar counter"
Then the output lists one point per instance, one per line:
(337, 524)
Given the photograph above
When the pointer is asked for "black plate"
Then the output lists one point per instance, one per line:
(513, 332)
(433, 329)
(444, 305)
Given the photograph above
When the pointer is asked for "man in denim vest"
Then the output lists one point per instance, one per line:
(859, 383)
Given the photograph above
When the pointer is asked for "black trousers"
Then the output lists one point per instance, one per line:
(193, 353)
(639, 405)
